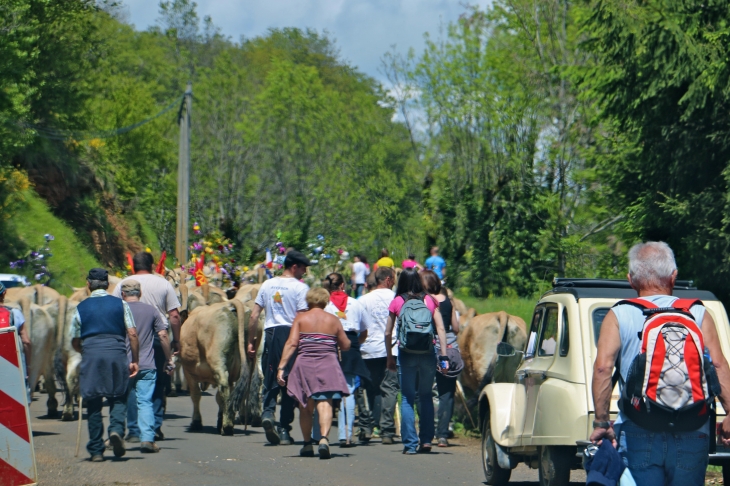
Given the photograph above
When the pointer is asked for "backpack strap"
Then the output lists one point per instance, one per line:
(638, 302)
(686, 304)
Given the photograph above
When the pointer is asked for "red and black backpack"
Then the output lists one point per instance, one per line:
(672, 382)
(6, 317)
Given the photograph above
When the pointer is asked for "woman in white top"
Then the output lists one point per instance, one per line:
(360, 272)
(355, 322)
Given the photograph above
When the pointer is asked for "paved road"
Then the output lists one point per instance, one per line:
(206, 458)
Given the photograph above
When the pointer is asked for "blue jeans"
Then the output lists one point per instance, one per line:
(416, 372)
(346, 415)
(139, 406)
(672, 459)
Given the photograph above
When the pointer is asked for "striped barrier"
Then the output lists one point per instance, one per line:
(17, 458)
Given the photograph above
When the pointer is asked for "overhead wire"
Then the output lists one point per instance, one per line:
(83, 135)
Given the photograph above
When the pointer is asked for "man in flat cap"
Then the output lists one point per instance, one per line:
(282, 297)
(150, 323)
(99, 329)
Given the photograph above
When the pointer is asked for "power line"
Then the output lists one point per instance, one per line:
(81, 135)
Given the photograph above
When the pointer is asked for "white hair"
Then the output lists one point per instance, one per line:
(651, 264)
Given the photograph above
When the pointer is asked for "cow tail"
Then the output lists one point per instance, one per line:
(239, 392)
(58, 366)
(184, 304)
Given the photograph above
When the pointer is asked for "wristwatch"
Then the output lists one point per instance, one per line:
(601, 425)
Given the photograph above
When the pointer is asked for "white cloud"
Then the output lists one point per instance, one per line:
(364, 29)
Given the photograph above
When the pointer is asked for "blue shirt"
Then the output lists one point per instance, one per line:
(437, 264)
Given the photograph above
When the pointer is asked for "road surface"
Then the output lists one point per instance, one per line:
(206, 458)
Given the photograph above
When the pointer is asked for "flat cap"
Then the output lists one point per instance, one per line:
(98, 274)
(131, 285)
(294, 257)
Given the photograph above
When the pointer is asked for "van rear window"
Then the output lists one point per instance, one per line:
(597, 318)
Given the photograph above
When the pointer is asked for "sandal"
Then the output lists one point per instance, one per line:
(324, 448)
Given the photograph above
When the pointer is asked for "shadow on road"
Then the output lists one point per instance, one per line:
(37, 433)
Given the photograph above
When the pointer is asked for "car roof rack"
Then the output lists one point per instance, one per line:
(596, 288)
(608, 283)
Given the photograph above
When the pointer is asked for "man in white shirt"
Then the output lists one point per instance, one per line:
(282, 298)
(359, 273)
(382, 388)
(159, 293)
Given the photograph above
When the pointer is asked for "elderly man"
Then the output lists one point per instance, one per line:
(150, 323)
(98, 331)
(670, 458)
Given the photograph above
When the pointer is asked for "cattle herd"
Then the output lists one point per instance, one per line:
(213, 343)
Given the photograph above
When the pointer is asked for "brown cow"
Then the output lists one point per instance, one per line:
(478, 345)
(212, 342)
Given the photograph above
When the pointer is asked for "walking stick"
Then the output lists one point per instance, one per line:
(78, 432)
(460, 390)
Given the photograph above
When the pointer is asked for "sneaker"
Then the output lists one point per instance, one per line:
(443, 442)
(409, 452)
(307, 450)
(107, 445)
(117, 444)
(159, 435)
(271, 435)
(324, 449)
(132, 439)
(387, 440)
(97, 458)
(424, 449)
(376, 433)
(364, 436)
(284, 437)
(148, 447)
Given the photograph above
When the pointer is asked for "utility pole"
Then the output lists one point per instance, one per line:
(183, 178)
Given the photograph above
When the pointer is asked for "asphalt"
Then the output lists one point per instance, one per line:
(206, 458)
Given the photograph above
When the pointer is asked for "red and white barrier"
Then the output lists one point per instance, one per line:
(17, 458)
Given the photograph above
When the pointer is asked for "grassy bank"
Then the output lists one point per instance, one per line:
(71, 260)
(515, 306)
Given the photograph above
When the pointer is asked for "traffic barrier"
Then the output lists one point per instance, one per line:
(17, 457)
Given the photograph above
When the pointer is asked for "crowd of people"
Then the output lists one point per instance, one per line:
(302, 342)
(336, 346)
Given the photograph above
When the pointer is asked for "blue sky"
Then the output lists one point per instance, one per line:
(364, 29)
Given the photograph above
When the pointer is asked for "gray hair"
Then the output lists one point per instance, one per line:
(651, 264)
(98, 284)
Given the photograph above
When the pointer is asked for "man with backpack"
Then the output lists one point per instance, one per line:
(662, 431)
(10, 317)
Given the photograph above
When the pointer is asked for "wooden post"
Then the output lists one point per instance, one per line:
(183, 179)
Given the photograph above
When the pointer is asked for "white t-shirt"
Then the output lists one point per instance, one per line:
(356, 319)
(359, 272)
(375, 304)
(156, 291)
(282, 298)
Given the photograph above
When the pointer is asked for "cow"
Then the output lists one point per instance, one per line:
(212, 345)
(42, 322)
(67, 362)
(478, 345)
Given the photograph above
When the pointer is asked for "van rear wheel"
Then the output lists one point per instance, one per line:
(554, 467)
(494, 475)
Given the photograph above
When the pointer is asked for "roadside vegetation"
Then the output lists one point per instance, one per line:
(529, 140)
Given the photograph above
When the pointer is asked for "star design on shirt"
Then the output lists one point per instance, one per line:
(277, 297)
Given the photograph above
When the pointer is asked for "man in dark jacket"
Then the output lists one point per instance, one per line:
(98, 331)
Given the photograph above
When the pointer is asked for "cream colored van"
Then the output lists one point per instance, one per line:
(539, 409)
